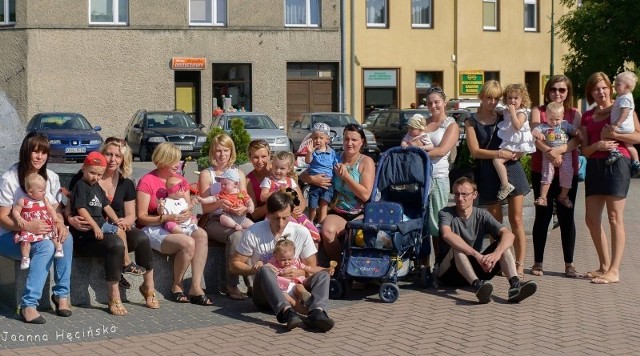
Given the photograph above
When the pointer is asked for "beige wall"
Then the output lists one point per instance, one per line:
(511, 51)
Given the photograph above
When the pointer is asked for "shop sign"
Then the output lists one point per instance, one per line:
(470, 82)
(187, 63)
(380, 78)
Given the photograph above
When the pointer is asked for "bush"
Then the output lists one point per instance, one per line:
(240, 138)
(526, 164)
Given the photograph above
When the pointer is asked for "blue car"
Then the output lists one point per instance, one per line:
(71, 136)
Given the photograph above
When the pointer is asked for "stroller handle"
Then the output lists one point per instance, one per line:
(359, 224)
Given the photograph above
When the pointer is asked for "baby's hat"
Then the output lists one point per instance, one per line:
(321, 127)
(231, 174)
(417, 122)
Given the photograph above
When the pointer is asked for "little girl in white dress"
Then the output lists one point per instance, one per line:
(514, 131)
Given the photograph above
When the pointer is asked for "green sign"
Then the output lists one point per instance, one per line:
(471, 82)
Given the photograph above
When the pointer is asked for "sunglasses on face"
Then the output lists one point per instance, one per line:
(559, 90)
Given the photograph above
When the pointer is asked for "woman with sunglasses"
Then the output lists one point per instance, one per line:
(121, 191)
(484, 145)
(260, 157)
(559, 90)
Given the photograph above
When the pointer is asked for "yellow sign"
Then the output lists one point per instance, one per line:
(470, 82)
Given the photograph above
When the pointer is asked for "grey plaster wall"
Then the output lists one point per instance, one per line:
(13, 70)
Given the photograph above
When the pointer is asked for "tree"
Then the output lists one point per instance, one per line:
(603, 36)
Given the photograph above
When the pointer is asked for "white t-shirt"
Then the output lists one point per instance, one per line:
(176, 206)
(625, 124)
(266, 183)
(440, 165)
(10, 191)
(258, 241)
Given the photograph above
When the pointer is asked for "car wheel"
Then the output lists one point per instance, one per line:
(144, 153)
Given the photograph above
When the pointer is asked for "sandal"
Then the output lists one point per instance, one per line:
(540, 201)
(116, 308)
(519, 274)
(179, 297)
(565, 201)
(124, 283)
(536, 269)
(200, 300)
(133, 268)
(151, 304)
(570, 272)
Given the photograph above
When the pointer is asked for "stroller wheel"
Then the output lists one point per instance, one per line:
(389, 292)
(335, 289)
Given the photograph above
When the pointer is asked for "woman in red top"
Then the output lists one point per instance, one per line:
(260, 156)
(605, 185)
(558, 89)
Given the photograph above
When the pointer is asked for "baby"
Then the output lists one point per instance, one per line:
(416, 134)
(35, 206)
(231, 192)
(622, 118)
(321, 158)
(177, 201)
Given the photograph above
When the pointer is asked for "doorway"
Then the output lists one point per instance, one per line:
(187, 94)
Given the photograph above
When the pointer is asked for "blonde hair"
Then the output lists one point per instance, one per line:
(628, 78)
(519, 89)
(166, 154)
(556, 109)
(288, 157)
(126, 167)
(592, 82)
(490, 89)
(32, 179)
(225, 141)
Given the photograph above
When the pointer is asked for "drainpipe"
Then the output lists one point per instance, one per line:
(455, 57)
(343, 99)
(353, 59)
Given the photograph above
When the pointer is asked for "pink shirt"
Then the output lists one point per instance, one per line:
(155, 186)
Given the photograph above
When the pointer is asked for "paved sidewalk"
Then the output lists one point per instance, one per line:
(566, 316)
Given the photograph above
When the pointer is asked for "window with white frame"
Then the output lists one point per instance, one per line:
(7, 12)
(531, 15)
(112, 12)
(302, 13)
(207, 12)
(421, 11)
(377, 13)
(490, 15)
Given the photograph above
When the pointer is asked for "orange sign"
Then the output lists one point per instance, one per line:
(188, 63)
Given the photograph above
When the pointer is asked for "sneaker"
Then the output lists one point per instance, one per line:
(291, 318)
(614, 156)
(522, 291)
(319, 319)
(484, 291)
(25, 263)
(503, 193)
(635, 169)
(58, 254)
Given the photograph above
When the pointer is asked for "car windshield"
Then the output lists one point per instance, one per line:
(64, 122)
(170, 121)
(424, 112)
(334, 120)
(252, 122)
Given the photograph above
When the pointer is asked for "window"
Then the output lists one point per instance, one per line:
(376, 13)
(421, 13)
(207, 12)
(113, 12)
(490, 15)
(302, 13)
(489, 75)
(232, 82)
(7, 12)
(531, 15)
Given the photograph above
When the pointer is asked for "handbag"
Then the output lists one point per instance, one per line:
(464, 165)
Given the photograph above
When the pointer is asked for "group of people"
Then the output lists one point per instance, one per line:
(273, 245)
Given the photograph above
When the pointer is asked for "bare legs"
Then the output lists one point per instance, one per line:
(332, 227)
(187, 250)
(517, 227)
(609, 264)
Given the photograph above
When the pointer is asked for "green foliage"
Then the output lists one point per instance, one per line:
(203, 161)
(240, 138)
(602, 35)
(526, 164)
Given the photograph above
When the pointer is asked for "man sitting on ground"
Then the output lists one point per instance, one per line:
(463, 228)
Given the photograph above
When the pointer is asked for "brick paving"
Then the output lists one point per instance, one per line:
(566, 316)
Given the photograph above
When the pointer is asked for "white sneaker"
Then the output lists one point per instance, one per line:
(504, 192)
(26, 262)
(58, 254)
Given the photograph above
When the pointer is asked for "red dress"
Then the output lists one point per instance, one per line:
(34, 210)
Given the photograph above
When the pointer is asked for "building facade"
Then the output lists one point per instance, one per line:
(107, 59)
(396, 50)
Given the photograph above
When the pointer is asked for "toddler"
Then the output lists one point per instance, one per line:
(622, 118)
(177, 201)
(231, 192)
(514, 131)
(416, 134)
(35, 206)
(321, 158)
(282, 178)
(555, 132)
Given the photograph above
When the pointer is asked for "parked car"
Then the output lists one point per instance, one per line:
(258, 125)
(71, 136)
(336, 121)
(457, 104)
(147, 129)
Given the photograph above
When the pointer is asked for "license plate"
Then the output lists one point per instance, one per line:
(185, 147)
(75, 150)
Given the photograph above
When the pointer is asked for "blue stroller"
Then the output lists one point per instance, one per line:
(384, 245)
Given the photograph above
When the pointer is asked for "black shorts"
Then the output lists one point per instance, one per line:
(452, 278)
(610, 180)
(346, 216)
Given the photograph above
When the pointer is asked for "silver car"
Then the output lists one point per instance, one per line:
(336, 121)
(258, 125)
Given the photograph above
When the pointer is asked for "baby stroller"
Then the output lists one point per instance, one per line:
(385, 244)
